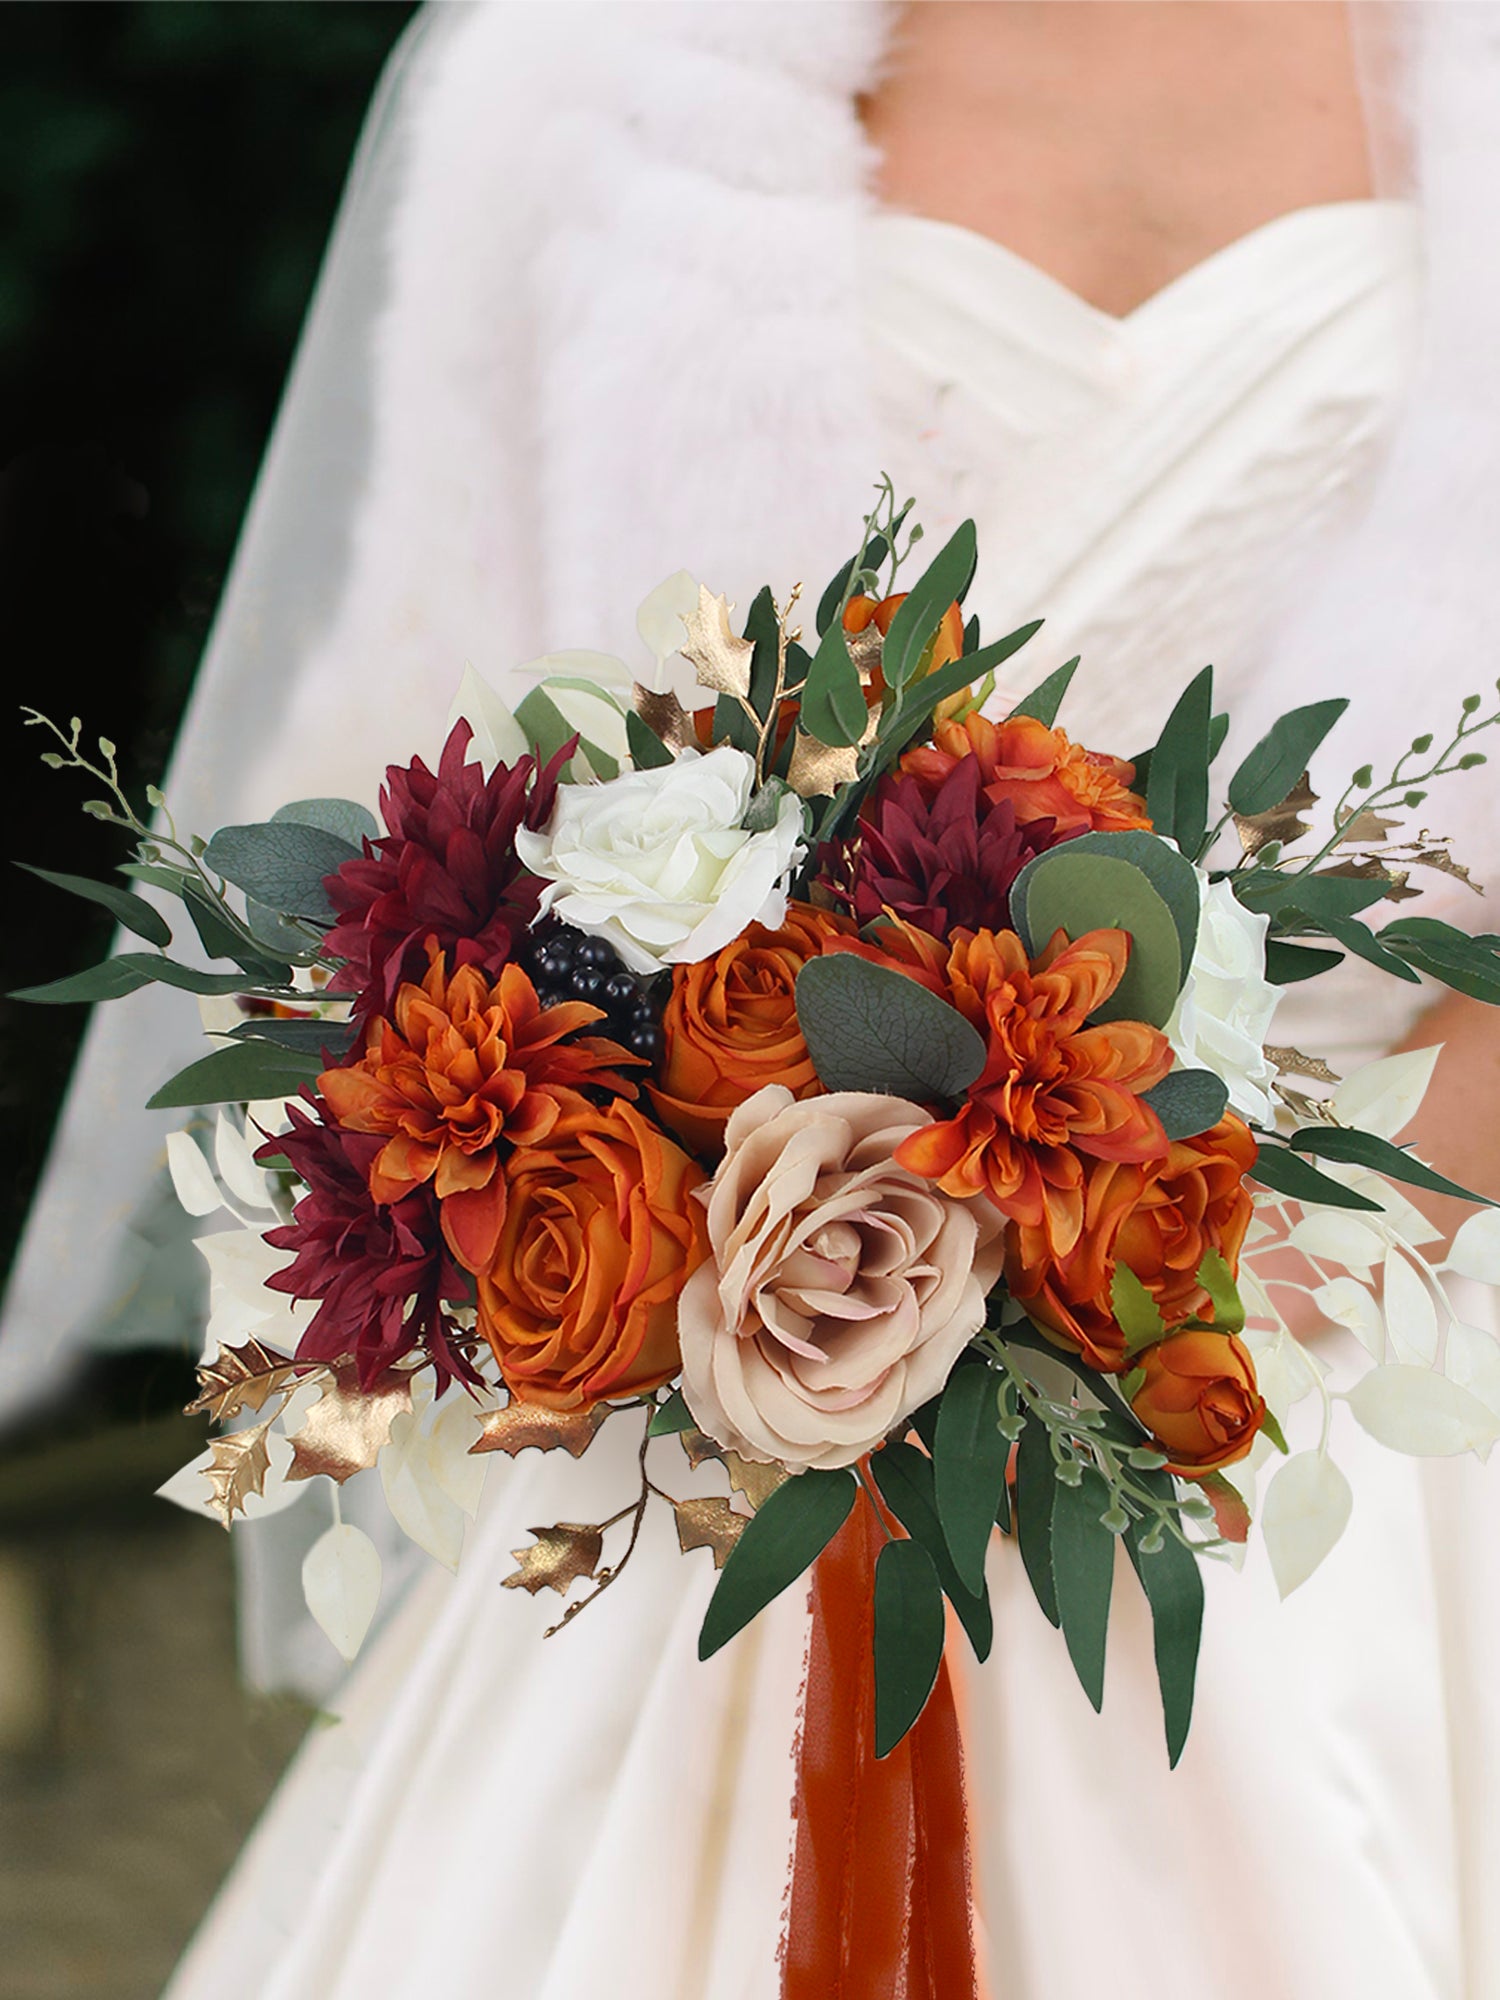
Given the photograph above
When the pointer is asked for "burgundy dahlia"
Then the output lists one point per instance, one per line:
(943, 863)
(446, 869)
(380, 1273)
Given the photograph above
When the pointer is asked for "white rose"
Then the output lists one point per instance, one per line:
(1223, 1013)
(658, 863)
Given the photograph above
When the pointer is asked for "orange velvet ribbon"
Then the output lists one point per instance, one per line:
(881, 1905)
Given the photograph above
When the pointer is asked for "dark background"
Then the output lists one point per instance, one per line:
(168, 175)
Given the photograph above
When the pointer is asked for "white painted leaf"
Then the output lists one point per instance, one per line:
(1472, 1360)
(219, 1013)
(238, 1171)
(1402, 1217)
(267, 1115)
(1305, 1511)
(192, 1176)
(1413, 1410)
(1476, 1248)
(1410, 1316)
(1339, 1237)
(1283, 1372)
(418, 1504)
(341, 1582)
(189, 1489)
(659, 619)
(1347, 1303)
(498, 737)
(458, 1472)
(1385, 1096)
(593, 712)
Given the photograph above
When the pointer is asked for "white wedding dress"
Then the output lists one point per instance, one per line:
(598, 1817)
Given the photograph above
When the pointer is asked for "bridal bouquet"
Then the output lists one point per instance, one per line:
(801, 1053)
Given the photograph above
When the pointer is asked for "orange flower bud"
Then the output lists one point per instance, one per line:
(1199, 1400)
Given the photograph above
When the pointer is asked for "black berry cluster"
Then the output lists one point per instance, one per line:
(566, 965)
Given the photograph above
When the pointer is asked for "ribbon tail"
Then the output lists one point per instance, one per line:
(881, 1899)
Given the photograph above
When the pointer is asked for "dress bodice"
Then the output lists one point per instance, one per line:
(1152, 484)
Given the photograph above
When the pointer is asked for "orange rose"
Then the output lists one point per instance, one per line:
(1199, 1400)
(1157, 1217)
(860, 613)
(731, 1025)
(1043, 774)
(599, 1237)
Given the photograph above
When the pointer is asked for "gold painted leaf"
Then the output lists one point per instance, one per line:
(665, 716)
(708, 1524)
(533, 1427)
(699, 1447)
(237, 1468)
(347, 1427)
(1283, 822)
(1371, 827)
(1292, 1062)
(558, 1557)
(241, 1378)
(817, 770)
(719, 658)
(756, 1482)
(865, 649)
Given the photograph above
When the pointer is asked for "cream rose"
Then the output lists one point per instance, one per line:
(658, 863)
(839, 1290)
(1223, 1013)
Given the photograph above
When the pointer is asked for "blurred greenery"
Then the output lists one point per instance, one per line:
(168, 175)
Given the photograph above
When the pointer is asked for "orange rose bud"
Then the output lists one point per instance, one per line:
(1158, 1217)
(1042, 773)
(862, 612)
(600, 1235)
(731, 1026)
(1199, 1400)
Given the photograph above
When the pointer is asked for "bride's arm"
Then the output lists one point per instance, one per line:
(1458, 1127)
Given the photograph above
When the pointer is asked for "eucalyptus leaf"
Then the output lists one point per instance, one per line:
(1044, 701)
(303, 1038)
(239, 1074)
(1288, 1173)
(546, 729)
(1188, 1101)
(1288, 898)
(1468, 965)
(1289, 964)
(1036, 1495)
(109, 981)
(870, 1028)
(220, 940)
(671, 1417)
(944, 581)
(1174, 879)
(833, 702)
(143, 919)
(909, 1627)
(1083, 1559)
(1273, 767)
(905, 1478)
(1362, 941)
(1177, 781)
(344, 817)
(1173, 1584)
(282, 864)
(186, 978)
(969, 1462)
(1075, 894)
(788, 1532)
(1363, 1149)
(646, 747)
(911, 716)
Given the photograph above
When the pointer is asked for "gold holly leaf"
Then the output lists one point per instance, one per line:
(708, 1524)
(558, 1557)
(241, 1378)
(237, 1468)
(1283, 822)
(1439, 858)
(817, 769)
(1292, 1062)
(865, 650)
(719, 657)
(1366, 826)
(665, 716)
(756, 1482)
(699, 1447)
(1306, 1110)
(346, 1429)
(532, 1426)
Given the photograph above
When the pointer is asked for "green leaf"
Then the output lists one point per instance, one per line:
(344, 817)
(1173, 1584)
(787, 1532)
(905, 1478)
(1044, 701)
(906, 722)
(870, 1028)
(133, 912)
(1289, 964)
(646, 747)
(831, 603)
(833, 702)
(282, 864)
(1083, 1563)
(1177, 787)
(544, 725)
(969, 1462)
(763, 630)
(1136, 1313)
(186, 978)
(1218, 729)
(1173, 879)
(1273, 767)
(1036, 1494)
(1188, 1101)
(908, 1638)
(1468, 965)
(1289, 1174)
(1271, 1428)
(1216, 1278)
(670, 1417)
(1090, 891)
(220, 940)
(170, 880)
(915, 624)
(301, 1038)
(764, 810)
(237, 1075)
(109, 981)
(1310, 898)
(1364, 1149)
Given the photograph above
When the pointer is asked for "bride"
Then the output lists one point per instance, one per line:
(1193, 308)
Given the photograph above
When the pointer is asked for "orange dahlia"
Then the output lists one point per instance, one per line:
(1044, 774)
(464, 1067)
(1055, 1090)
